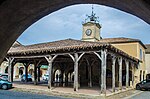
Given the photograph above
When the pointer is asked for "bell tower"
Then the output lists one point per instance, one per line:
(91, 28)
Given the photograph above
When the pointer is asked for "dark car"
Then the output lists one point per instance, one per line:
(145, 84)
(23, 78)
(4, 84)
(4, 76)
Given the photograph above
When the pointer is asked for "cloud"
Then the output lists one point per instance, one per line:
(67, 23)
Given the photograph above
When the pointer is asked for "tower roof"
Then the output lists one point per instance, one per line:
(92, 18)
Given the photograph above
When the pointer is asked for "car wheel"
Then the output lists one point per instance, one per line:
(4, 86)
(138, 87)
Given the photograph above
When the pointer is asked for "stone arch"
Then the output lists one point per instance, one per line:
(28, 12)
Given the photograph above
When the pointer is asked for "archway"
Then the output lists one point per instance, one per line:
(90, 71)
(28, 12)
(63, 67)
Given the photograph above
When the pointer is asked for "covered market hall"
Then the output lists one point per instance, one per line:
(76, 64)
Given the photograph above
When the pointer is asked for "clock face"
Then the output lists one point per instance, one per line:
(88, 32)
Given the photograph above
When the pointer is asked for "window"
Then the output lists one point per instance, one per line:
(141, 54)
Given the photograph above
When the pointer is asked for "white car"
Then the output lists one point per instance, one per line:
(45, 77)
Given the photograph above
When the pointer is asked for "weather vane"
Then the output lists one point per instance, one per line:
(92, 17)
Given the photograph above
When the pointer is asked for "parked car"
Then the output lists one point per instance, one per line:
(4, 84)
(4, 76)
(45, 77)
(23, 78)
(145, 84)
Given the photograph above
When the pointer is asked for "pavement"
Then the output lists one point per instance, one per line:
(142, 95)
(5, 94)
(68, 92)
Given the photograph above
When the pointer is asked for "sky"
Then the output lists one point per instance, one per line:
(67, 23)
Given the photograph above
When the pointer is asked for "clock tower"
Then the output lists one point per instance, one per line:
(91, 28)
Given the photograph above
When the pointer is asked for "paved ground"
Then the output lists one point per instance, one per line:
(6, 94)
(142, 95)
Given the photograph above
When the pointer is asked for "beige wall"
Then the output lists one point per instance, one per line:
(147, 62)
(133, 49)
(95, 32)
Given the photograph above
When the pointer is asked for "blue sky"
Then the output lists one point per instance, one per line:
(67, 23)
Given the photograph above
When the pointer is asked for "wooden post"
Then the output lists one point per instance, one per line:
(12, 72)
(39, 72)
(50, 74)
(26, 73)
(90, 77)
(127, 73)
(76, 59)
(113, 73)
(133, 75)
(50, 61)
(10, 69)
(35, 74)
(89, 73)
(120, 73)
(26, 65)
(76, 73)
(103, 72)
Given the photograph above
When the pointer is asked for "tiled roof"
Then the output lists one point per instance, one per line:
(63, 46)
(121, 40)
(16, 44)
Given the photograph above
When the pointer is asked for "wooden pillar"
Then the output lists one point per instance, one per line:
(10, 69)
(50, 61)
(39, 72)
(76, 59)
(66, 79)
(26, 65)
(26, 73)
(50, 74)
(89, 76)
(12, 72)
(132, 74)
(113, 73)
(103, 71)
(76, 72)
(127, 73)
(35, 74)
(120, 73)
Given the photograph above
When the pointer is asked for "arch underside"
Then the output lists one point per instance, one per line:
(16, 16)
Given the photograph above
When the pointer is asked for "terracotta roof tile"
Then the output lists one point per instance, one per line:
(121, 40)
(63, 45)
